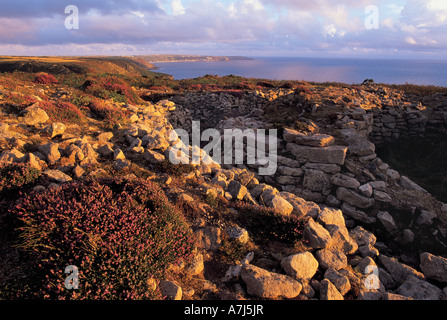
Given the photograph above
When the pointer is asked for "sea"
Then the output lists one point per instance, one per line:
(344, 70)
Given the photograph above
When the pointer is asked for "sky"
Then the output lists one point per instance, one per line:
(293, 28)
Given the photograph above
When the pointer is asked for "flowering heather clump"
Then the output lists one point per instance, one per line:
(109, 114)
(15, 176)
(118, 233)
(280, 227)
(62, 111)
(304, 89)
(111, 88)
(45, 78)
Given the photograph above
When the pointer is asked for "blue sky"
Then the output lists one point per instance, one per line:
(324, 28)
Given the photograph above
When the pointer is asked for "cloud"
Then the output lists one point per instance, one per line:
(177, 8)
(276, 27)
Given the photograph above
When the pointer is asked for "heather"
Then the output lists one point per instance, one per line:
(119, 233)
(45, 78)
(63, 111)
(16, 176)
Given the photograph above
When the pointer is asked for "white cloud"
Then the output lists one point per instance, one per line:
(177, 8)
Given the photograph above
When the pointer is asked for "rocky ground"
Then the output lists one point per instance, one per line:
(347, 226)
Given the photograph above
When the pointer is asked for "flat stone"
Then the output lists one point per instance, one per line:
(314, 140)
(332, 154)
(57, 176)
(419, 289)
(353, 198)
(343, 180)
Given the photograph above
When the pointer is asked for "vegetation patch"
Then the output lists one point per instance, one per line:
(119, 234)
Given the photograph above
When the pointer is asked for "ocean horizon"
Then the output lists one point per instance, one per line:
(345, 70)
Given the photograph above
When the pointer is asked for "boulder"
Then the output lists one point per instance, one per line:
(301, 266)
(237, 190)
(34, 115)
(268, 285)
(50, 151)
(280, 205)
(315, 236)
(341, 239)
(358, 144)
(208, 238)
(340, 281)
(55, 129)
(330, 258)
(419, 289)
(434, 267)
(331, 216)
(328, 291)
(301, 207)
(366, 190)
(387, 221)
(399, 271)
(74, 153)
(195, 266)
(239, 234)
(153, 157)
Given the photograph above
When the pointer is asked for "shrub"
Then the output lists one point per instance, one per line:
(62, 111)
(177, 170)
(16, 176)
(45, 78)
(255, 218)
(303, 89)
(111, 88)
(119, 233)
(109, 114)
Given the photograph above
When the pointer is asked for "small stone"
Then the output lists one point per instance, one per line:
(57, 176)
(237, 190)
(366, 190)
(171, 290)
(239, 234)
